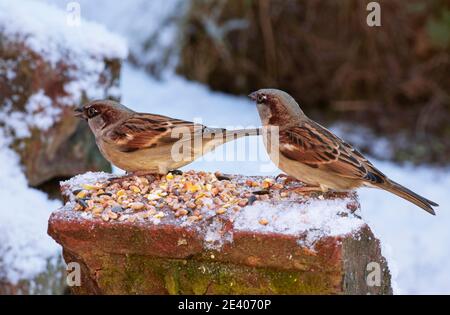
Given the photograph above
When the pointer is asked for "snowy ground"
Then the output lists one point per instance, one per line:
(24, 245)
(414, 242)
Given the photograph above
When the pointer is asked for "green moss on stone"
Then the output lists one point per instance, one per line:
(136, 274)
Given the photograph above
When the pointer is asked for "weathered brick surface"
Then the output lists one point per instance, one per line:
(147, 258)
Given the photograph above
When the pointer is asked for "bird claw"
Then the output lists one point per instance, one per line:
(287, 179)
(117, 179)
(175, 172)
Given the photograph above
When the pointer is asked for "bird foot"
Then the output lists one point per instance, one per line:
(261, 192)
(222, 177)
(287, 179)
(307, 190)
(175, 172)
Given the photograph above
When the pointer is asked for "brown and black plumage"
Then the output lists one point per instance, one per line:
(149, 143)
(314, 155)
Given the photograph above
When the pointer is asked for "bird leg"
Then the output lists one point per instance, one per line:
(305, 190)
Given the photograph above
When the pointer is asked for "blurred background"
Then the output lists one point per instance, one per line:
(383, 88)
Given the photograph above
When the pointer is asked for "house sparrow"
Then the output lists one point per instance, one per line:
(317, 157)
(149, 143)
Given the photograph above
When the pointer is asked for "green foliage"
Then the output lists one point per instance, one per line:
(439, 29)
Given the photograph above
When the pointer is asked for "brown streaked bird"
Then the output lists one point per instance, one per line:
(144, 143)
(317, 157)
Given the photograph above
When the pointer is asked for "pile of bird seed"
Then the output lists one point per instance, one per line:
(191, 196)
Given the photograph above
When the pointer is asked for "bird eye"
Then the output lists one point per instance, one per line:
(261, 98)
(91, 112)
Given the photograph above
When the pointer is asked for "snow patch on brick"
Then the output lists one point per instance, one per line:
(314, 219)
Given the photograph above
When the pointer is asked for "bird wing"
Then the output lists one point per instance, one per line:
(148, 130)
(315, 146)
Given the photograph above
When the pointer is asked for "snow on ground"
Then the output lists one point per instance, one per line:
(415, 243)
(44, 29)
(150, 27)
(24, 245)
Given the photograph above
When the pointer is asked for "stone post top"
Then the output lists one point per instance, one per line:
(213, 206)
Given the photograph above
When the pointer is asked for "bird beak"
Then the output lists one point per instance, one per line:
(79, 112)
(253, 96)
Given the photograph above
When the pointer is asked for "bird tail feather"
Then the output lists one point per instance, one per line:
(236, 134)
(222, 136)
(411, 196)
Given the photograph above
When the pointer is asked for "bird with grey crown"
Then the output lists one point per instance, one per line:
(314, 155)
